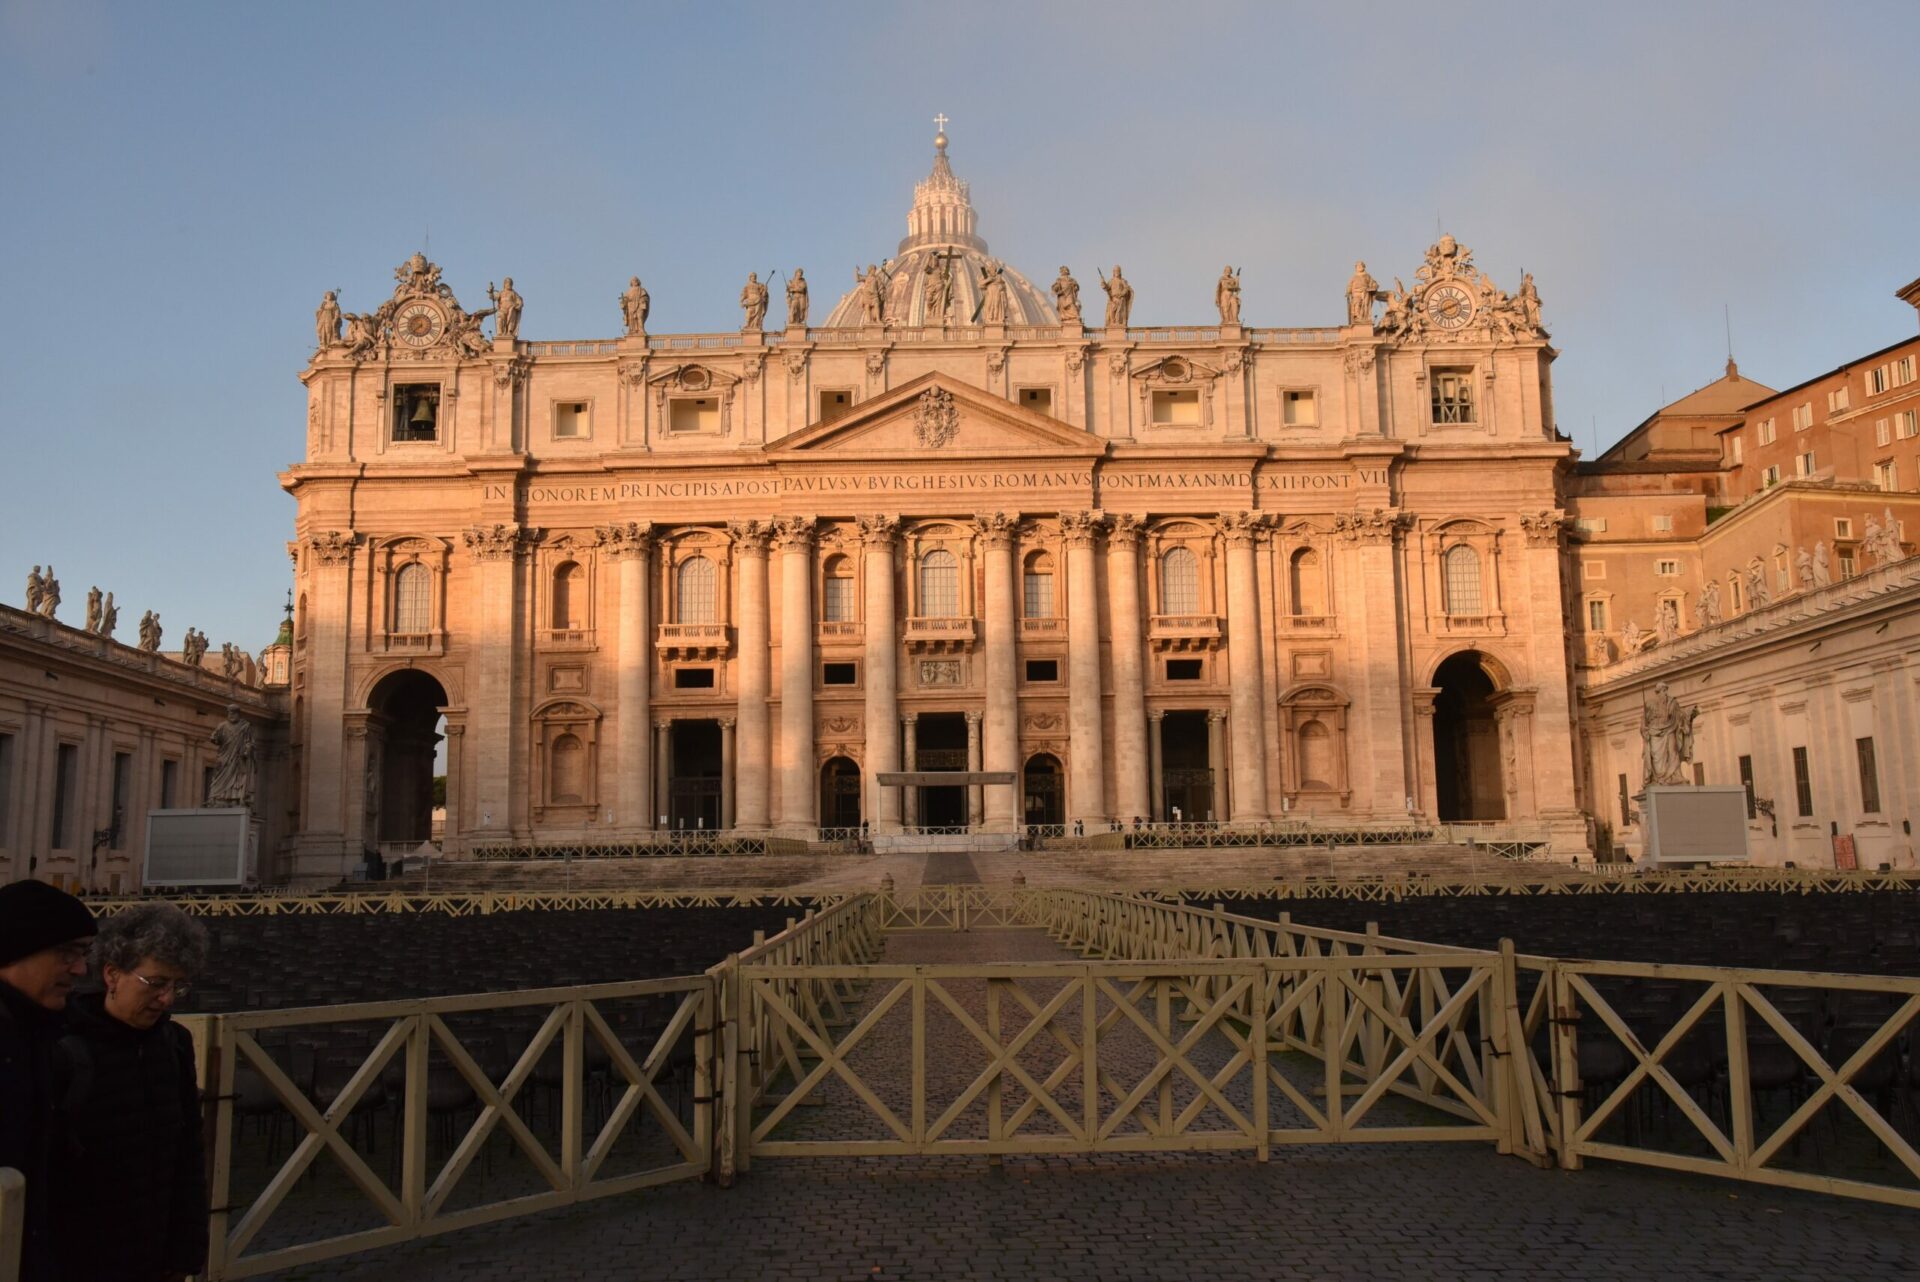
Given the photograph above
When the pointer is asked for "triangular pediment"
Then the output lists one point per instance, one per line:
(934, 417)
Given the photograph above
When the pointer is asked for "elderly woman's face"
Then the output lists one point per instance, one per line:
(139, 997)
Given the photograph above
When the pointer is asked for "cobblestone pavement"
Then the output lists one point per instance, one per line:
(1339, 1211)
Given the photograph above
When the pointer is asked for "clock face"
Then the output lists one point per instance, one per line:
(1449, 306)
(418, 324)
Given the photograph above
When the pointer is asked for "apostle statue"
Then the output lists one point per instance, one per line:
(109, 617)
(1066, 297)
(150, 632)
(231, 661)
(1119, 298)
(993, 294)
(326, 321)
(1226, 295)
(232, 783)
(194, 648)
(1708, 611)
(753, 298)
(797, 299)
(634, 305)
(36, 589)
(93, 609)
(1758, 593)
(1666, 622)
(506, 309)
(937, 289)
(1632, 638)
(872, 285)
(49, 594)
(1882, 541)
(1803, 564)
(1362, 291)
(1666, 737)
(1529, 302)
(1822, 565)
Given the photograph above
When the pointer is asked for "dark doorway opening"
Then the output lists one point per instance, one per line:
(1466, 742)
(1186, 770)
(839, 793)
(940, 743)
(402, 741)
(693, 786)
(1045, 799)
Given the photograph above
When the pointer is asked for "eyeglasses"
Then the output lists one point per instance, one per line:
(161, 987)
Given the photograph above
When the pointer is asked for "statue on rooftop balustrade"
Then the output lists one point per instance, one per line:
(506, 309)
(1226, 296)
(1119, 298)
(634, 305)
(797, 299)
(753, 299)
(1066, 297)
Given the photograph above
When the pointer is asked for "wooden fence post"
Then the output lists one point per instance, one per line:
(1565, 1017)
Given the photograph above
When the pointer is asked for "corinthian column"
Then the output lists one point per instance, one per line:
(752, 765)
(631, 546)
(494, 551)
(1002, 726)
(883, 671)
(799, 798)
(1086, 781)
(1247, 699)
(1130, 765)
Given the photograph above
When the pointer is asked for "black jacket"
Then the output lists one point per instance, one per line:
(131, 1172)
(28, 1125)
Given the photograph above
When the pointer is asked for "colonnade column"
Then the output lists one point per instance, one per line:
(909, 794)
(631, 546)
(1217, 759)
(495, 552)
(727, 791)
(1086, 781)
(1132, 796)
(1428, 798)
(1380, 768)
(1002, 723)
(1156, 770)
(662, 771)
(325, 566)
(753, 762)
(883, 671)
(1513, 713)
(1247, 697)
(799, 793)
(974, 812)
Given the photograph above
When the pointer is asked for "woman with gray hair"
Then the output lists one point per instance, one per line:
(131, 1190)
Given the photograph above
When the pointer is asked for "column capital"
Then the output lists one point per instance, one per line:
(1377, 526)
(794, 533)
(331, 547)
(879, 530)
(1125, 530)
(663, 723)
(492, 542)
(727, 723)
(973, 719)
(1543, 529)
(998, 529)
(627, 539)
(1240, 529)
(750, 538)
(1216, 716)
(909, 718)
(1156, 715)
(1081, 529)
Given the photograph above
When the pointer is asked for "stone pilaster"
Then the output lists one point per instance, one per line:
(877, 536)
(1156, 769)
(728, 749)
(631, 547)
(325, 562)
(909, 754)
(1086, 780)
(1217, 760)
(754, 764)
(998, 530)
(495, 553)
(1247, 697)
(663, 771)
(975, 814)
(1133, 797)
(1370, 614)
(799, 794)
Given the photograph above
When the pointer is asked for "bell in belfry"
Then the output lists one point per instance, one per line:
(422, 412)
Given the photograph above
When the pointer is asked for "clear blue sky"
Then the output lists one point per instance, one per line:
(179, 183)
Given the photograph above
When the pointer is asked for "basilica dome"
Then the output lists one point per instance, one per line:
(942, 233)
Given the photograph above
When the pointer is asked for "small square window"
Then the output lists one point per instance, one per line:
(1667, 569)
(1043, 669)
(1453, 396)
(1591, 525)
(1842, 527)
(1770, 475)
(693, 678)
(1766, 431)
(1299, 409)
(839, 674)
(835, 403)
(1183, 669)
(569, 420)
(1663, 524)
(416, 412)
(1804, 465)
(694, 414)
(1037, 399)
(1176, 408)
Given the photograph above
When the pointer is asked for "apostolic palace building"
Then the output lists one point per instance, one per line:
(1100, 573)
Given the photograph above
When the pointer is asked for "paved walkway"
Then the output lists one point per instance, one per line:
(1347, 1211)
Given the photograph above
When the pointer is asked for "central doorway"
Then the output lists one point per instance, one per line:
(1186, 768)
(1466, 742)
(1045, 798)
(839, 793)
(693, 784)
(940, 743)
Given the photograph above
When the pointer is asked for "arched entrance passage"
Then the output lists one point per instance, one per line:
(403, 737)
(1466, 741)
(1043, 798)
(839, 793)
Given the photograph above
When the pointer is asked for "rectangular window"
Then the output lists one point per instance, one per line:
(1736, 595)
(1883, 431)
(1909, 421)
(1842, 527)
(1299, 409)
(1746, 781)
(1596, 616)
(1176, 408)
(1666, 569)
(6, 790)
(122, 794)
(1886, 475)
(1877, 380)
(835, 402)
(416, 411)
(693, 678)
(1803, 464)
(836, 601)
(1903, 371)
(1591, 525)
(839, 674)
(1043, 669)
(1846, 565)
(1663, 525)
(169, 784)
(569, 420)
(1770, 475)
(1037, 399)
(1039, 595)
(1869, 775)
(1626, 812)
(1837, 399)
(1183, 669)
(66, 785)
(1453, 396)
(1803, 417)
(1802, 784)
(1766, 431)
(1739, 449)
(694, 414)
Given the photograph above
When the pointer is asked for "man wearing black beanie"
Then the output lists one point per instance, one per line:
(44, 934)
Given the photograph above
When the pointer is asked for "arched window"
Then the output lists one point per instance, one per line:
(412, 598)
(1307, 584)
(569, 596)
(1179, 582)
(567, 773)
(939, 585)
(693, 598)
(1038, 597)
(1460, 567)
(836, 595)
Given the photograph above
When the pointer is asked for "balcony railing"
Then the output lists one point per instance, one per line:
(937, 635)
(1184, 631)
(692, 640)
(838, 628)
(1043, 627)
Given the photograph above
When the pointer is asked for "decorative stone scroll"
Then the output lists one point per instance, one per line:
(331, 547)
(1377, 526)
(1543, 529)
(1452, 301)
(492, 543)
